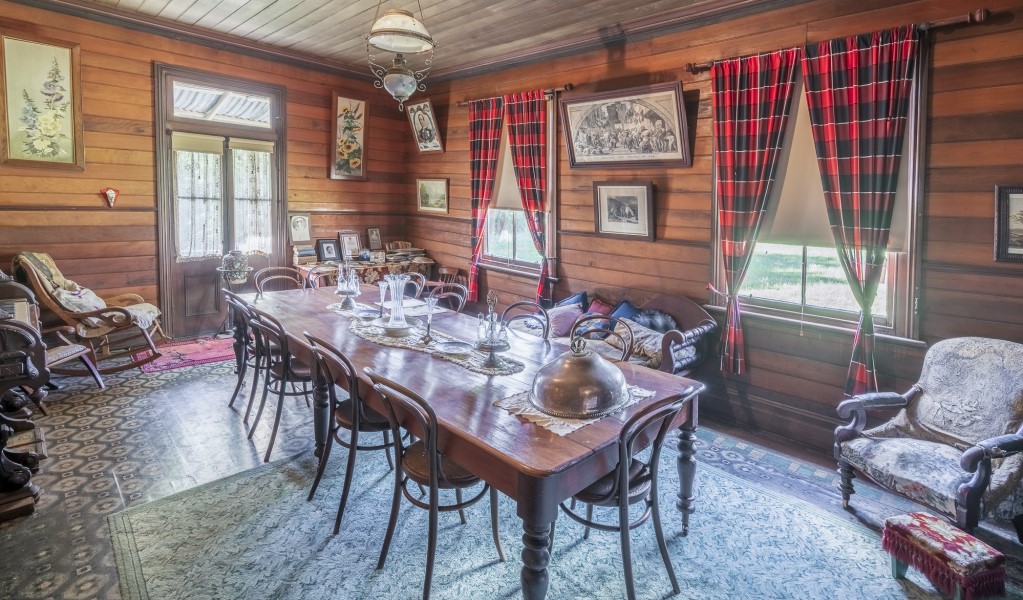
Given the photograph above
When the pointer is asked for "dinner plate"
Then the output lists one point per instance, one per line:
(396, 331)
(454, 348)
(367, 314)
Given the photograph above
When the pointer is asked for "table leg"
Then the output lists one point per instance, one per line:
(686, 463)
(321, 411)
(535, 558)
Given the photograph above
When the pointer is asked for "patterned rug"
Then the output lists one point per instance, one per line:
(254, 535)
(188, 353)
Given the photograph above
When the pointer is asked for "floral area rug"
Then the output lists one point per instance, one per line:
(188, 353)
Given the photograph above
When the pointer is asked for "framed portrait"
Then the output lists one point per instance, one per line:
(350, 243)
(1009, 223)
(373, 239)
(328, 249)
(40, 102)
(644, 126)
(424, 126)
(432, 195)
(348, 159)
(624, 209)
(299, 228)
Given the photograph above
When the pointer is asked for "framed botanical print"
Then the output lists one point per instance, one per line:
(432, 195)
(348, 159)
(624, 209)
(424, 126)
(40, 102)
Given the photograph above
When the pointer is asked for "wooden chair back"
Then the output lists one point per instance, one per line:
(453, 294)
(321, 275)
(417, 281)
(527, 310)
(590, 326)
(282, 278)
(447, 274)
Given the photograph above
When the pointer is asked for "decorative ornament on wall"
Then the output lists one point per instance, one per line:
(110, 194)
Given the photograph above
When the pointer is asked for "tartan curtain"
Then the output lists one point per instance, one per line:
(858, 89)
(751, 98)
(485, 117)
(527, 132)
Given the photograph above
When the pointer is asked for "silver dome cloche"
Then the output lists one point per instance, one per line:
(579, 384)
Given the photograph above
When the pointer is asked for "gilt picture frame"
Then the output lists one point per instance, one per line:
(624, 209)
(432, 195)
(637, 127)
(348, 145)
(424, 126)
(1009, 223)
(40, 102)
(350, 242)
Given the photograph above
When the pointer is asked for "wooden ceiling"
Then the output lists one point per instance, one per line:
(471, 34)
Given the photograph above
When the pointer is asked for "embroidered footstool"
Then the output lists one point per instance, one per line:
(954, 561)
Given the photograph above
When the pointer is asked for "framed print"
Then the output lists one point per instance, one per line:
(373, 238)
(424, 126)
(40, 103)
(350, 243)
(327, 249)
(432, 194)
(1009, 223)
(299, 228)
(624, 209)
(349, 147)
(644, 126)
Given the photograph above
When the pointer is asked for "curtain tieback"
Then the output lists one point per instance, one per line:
(728, 297)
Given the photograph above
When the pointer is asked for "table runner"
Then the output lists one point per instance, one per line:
(519, 404)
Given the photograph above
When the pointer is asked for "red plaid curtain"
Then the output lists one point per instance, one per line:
(485, 117)
(858, 90)
(751, 104)
(527, 132)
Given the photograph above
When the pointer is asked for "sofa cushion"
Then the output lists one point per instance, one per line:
(656, 320)
(600, 307)
(625, 309)
(578, 298)
(562, 318)
(646, 344)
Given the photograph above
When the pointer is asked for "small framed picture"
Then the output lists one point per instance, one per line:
(432, 194)
(373, 238)
(300, 231)
(424, 126)
(1009, 223)
(350, 243)
(624, 209)
(327, 249)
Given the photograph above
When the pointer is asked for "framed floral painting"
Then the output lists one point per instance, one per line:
(40, 102)
(348, 160)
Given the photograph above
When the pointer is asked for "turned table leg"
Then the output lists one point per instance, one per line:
(686, 463)
(321, 412)
(535, 558)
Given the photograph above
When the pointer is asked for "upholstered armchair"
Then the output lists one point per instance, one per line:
(955, 445)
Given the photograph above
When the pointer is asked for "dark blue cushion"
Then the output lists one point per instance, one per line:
(625, 310)
(656, 320)
(579, 299)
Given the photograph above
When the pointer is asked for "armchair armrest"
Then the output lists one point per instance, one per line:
(996, 447)
(857, 409)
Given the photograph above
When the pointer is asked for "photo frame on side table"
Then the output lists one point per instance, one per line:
(373, 239)
(40, 102)
(328, 250)
(299, 228)
(424, 126)
(350, 244)
(432, 195)
(348, 157)
(624, 209)
(636, 127)
(1009, 223)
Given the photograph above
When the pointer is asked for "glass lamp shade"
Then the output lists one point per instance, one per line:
(399, 81)
(400, 32)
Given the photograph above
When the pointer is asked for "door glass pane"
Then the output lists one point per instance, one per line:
(253, 200)
(198, 205)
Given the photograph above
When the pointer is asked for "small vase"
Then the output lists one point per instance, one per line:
(235, 265)
(397, 284)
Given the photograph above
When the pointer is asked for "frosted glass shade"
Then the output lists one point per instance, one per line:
(400, 32)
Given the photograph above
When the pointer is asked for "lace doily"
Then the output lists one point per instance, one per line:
(519, 405)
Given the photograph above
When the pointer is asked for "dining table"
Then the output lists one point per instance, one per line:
(531, 464)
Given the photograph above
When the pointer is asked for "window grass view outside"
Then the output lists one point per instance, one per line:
(508, 237)
(776, 273)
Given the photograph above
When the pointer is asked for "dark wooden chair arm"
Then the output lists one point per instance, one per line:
(114, 316)
(857, 409)
(996, 447)
(676, 340)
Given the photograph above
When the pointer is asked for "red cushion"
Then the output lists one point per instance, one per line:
(599, 306)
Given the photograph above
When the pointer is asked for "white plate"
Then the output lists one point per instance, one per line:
(396, 331)
(454, 348)
(367, 314)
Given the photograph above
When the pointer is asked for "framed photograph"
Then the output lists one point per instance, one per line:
(350, 243)
(348, 160)
(624, 209)
(644, 126)
(424, 126)
(327, 249)
(1009, 223)
(299, 228)
(432, 194)
(40, 103)
(373, 238)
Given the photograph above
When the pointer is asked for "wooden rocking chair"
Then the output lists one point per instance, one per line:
(111, 328)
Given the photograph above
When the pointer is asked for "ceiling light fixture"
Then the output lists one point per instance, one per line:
(400, 33)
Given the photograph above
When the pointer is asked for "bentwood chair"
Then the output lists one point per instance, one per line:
(283, 278)
(592, 326)
(280, 369)
(415, 285)
(423, 463)
(320, 275)
(350, 414)
(532, 314)
(633, 481)
(245, 354)
(453, 294)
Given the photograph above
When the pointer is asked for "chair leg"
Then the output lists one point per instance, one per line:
(257, 367)
(431, 542)
(659, 531)
(846, 486)
(91, 368)
(349, 470)
(277, 423)
(589, 517)
(623, 529)
(458, 499)
(493, 524)
(242, 368)
(391, 522)
(324, 457)
(387, 450)
(262, 403)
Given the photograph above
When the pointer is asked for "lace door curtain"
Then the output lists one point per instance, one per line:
(198, 205)
(527, 132)
(253, 201)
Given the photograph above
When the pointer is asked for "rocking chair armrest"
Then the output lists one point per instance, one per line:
(113, 316)
(997, 447)
(124, 300)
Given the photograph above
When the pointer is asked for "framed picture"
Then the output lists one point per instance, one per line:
(1009, 223)
(327, 249)
(350, 243)
(373, 238)
(624, 209)
(40, 103)
(432, 194)
(348, 160)
(644, 126)
(299, 228)
(424, 126)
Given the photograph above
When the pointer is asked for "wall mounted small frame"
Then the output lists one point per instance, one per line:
(432, 195)
(350, 243)
(624, 209)
(299, 228)
(328, 249)
(40, 102)
(637, 127)
(348, 159)
(424, 126)
(1009, 223)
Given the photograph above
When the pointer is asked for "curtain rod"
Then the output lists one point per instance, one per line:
(977, 16)
(568, 87)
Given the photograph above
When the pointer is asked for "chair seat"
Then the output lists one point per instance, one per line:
(301, 371)
(417, 466)
(597, 492)
(58, 354)
(371, 419)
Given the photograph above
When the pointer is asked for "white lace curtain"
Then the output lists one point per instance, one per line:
(198, 204)
(253, 200)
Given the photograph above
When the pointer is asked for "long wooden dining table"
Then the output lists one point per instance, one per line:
(535, 467)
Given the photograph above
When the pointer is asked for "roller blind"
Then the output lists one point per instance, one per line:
(197, 142)
(251, 145)
(506, 187)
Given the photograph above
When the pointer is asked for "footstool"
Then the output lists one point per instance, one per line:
(954, 561)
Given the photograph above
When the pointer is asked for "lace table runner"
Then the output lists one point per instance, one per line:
(519, 405)
(415, 310)
(473, 361)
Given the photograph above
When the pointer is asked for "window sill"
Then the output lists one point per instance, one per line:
(517, 270)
